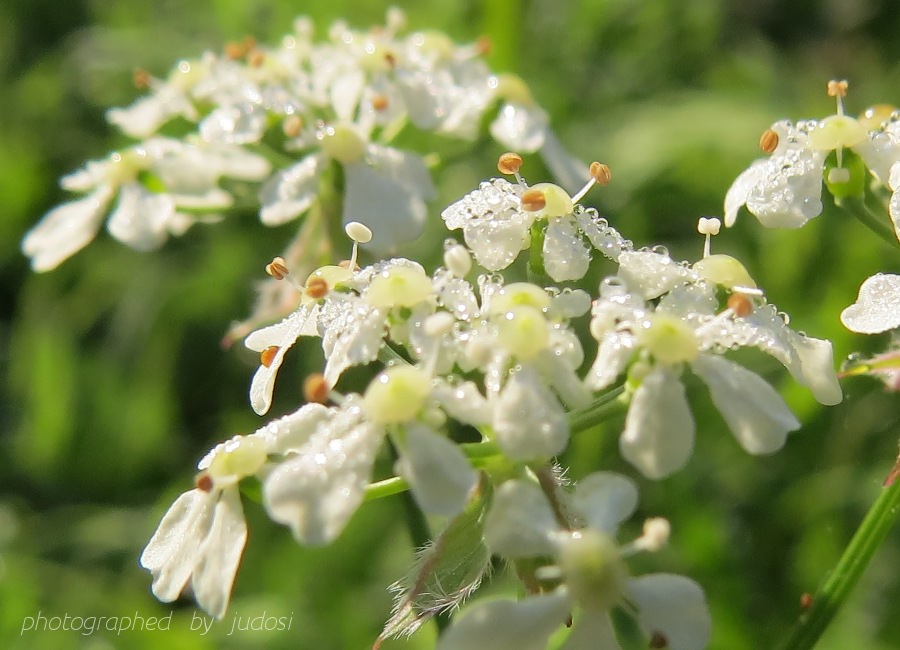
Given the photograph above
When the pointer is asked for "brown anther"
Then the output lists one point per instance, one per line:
(509, 163)
(315, 389)
(249, 43)
(391, 59)
(483, 45)
(806, 601)
(267, 356)
(235, 51)
(380, 102)
(256, 57)
(292, 126)
(277, 269)
(740, 304)
(600, 173)
(141, 79)
(837, 88)
(533, 200)
(203, 482)
(768, 141)
(316, 287)
(658, 640)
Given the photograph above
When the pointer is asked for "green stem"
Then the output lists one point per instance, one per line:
(836, 588)
(880, 225)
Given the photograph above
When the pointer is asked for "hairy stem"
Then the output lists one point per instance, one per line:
(840, 582)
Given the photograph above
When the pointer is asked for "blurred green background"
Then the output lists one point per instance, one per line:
(115, 384)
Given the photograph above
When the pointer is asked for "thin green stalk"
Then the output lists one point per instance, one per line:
(880, 225)
(840, 582)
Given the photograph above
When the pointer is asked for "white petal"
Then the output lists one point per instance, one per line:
(612, 357)
(529, 421)
(141, 219)
(219, 555)
(352, 334)
(290, 193)
(172, 552)
(316, 491)
(739, 191)
(673, 605)
(391, 204)
(234, 124)
(817, 368)
(755, 413)
(147, 114)
(561, 376)
(659, 429)
(652, 274)
(602, 236)
(520, 522)
(877, 309)
(289, 433)
(463, 402)
(592, 630)
(508, 625)
(605, 500)
(346, 90)
(520, 128)
(282, 335)
(66, 229)
(441, 477)
(566, 256)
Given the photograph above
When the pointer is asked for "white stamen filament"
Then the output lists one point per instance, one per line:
(584, 190)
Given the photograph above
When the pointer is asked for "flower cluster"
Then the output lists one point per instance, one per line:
(467, 350)
(240, 113)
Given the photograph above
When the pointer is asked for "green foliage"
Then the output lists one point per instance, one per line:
(116, 384)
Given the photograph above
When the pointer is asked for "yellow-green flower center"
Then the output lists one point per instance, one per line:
(396, 395)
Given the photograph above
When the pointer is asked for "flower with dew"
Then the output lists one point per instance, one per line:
(500, 219)
(784, 190)
(876, 310)
(201, 538)
(163, 187)
(684, 326)
(590, 570)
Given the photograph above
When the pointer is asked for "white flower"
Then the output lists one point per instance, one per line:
(497, 222)
(669, 608)
(143, 218)
(877, 309)
(201, 538)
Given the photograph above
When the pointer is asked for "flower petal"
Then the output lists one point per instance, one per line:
(290, 193)
(817, 368)
(592, 630)
(172, 552)
(66, 229)
(219, 555)
(754, 411)
(529, 421)
(565, 255)
(441, 477)
(352, 334)
(508, 625)
(674, 606)
(612, 357)
(659, 428)
(141, 219)
(877, 309)
(520, 128)
(463, 402)
(605, 500)
(316, 491)
(520, 522)
(652, 274)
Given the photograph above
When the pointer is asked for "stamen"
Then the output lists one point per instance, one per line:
(277, 269)
(658, 641)
(256, 58)
(768, 141)
(267, 356)
(806, 601)
(838, 90)
(600, 173)
(391, 60)
(203, 482)
(360, 234)
(510, 163)
(235, 51)
(141, 79)
(708, 227)
(656, 534)
(740, 304)
(483, 45)
(533, 200)
(315, 389)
